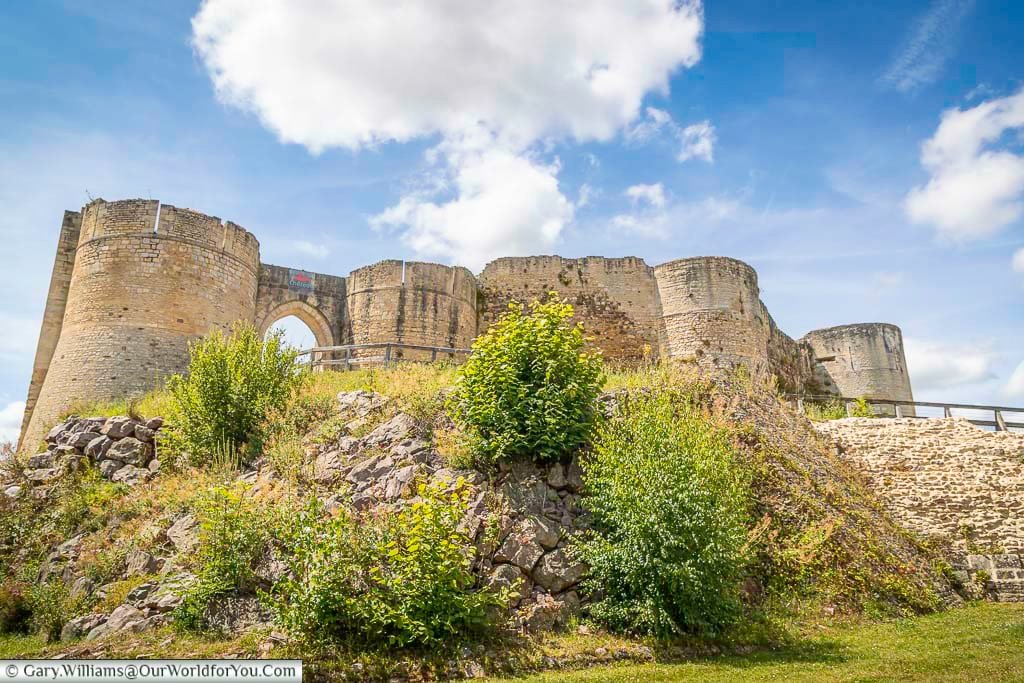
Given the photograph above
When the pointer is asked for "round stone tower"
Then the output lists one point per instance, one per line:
(411, 302)
(865, 359)
(712, 312)
(147, 279)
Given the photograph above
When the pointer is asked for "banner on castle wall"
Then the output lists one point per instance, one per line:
(300, 280)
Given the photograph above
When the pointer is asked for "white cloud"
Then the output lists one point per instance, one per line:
(648, 217)
(888, 280)
(10, 421)
(1015, 387)
(698, 142)
(507, 204)
(652, 194)
(18, 341)
(1018, 260)
(973, 191)
(353, 73)
(929, 46)
(317, 251)
(938, 366)
(492, 80)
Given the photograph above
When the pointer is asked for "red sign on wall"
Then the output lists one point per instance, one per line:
(300, 280)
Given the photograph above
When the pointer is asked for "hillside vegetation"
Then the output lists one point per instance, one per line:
(429, 520)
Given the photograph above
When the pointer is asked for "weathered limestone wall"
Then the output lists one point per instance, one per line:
(412, 303)
(53, 314)
(316, 299)
(617, 298)
(792, 362)
(942, 477)
(712, 313)
(138, 296)
(134, 281)
(947, 478)
(862, 360)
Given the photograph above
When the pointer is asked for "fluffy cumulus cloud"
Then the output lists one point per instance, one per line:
(974, 190)
(10, 421)
(936, 366)
(360, 73)
(505, 203)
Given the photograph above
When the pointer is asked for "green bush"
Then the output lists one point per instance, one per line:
(529, 388)
(233, 382)
(670, 502)
(392, 580)
(235, 532)
(52, 605)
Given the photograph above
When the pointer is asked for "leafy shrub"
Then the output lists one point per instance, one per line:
(52, 606)
(233, 382)
(400, 579)
(670, 509)
(235, 532)
(529, 388)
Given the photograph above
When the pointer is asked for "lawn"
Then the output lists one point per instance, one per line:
(979, 642)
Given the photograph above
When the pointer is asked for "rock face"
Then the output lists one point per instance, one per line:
(121, 447)
(947, 478)
(521, 520)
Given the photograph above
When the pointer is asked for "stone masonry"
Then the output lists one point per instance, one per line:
(134, 281)
(947, 478)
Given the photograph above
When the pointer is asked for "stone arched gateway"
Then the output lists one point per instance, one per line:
(314, 319)
(317, 300)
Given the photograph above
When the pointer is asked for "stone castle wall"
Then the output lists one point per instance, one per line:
(617, 298)
(862, 360)
(712, 314)
(412, 303)
(135, 280)
(140, 290)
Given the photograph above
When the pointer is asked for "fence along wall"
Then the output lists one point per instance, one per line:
(134, 281)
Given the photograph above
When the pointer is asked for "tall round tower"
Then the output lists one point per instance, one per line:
(412, 302)
(712, 312)
(865, 359)
(147, 279)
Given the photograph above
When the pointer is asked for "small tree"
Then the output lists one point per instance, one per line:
(233, 381)
(529, 387)
(670, 503)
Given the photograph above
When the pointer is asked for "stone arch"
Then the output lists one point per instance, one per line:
(314, 319)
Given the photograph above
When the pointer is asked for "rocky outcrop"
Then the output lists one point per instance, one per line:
(520, 517)
(123, 448)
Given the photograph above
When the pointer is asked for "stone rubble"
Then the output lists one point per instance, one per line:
(122, 447)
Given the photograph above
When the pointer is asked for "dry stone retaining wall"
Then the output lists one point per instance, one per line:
(947, 478)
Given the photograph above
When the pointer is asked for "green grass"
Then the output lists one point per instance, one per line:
(979, 642)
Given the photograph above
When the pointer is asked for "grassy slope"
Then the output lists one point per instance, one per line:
(980, 642)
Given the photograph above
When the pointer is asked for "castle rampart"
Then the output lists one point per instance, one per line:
(135, 280)
(617, 298)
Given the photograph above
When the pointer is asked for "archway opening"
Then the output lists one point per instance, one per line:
(295, 333)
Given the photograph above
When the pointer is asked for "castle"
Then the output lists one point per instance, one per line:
(135, 280)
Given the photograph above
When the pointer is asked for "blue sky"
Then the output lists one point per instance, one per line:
(868, 161)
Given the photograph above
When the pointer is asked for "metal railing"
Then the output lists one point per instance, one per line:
(347, 356)
(998, 422)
